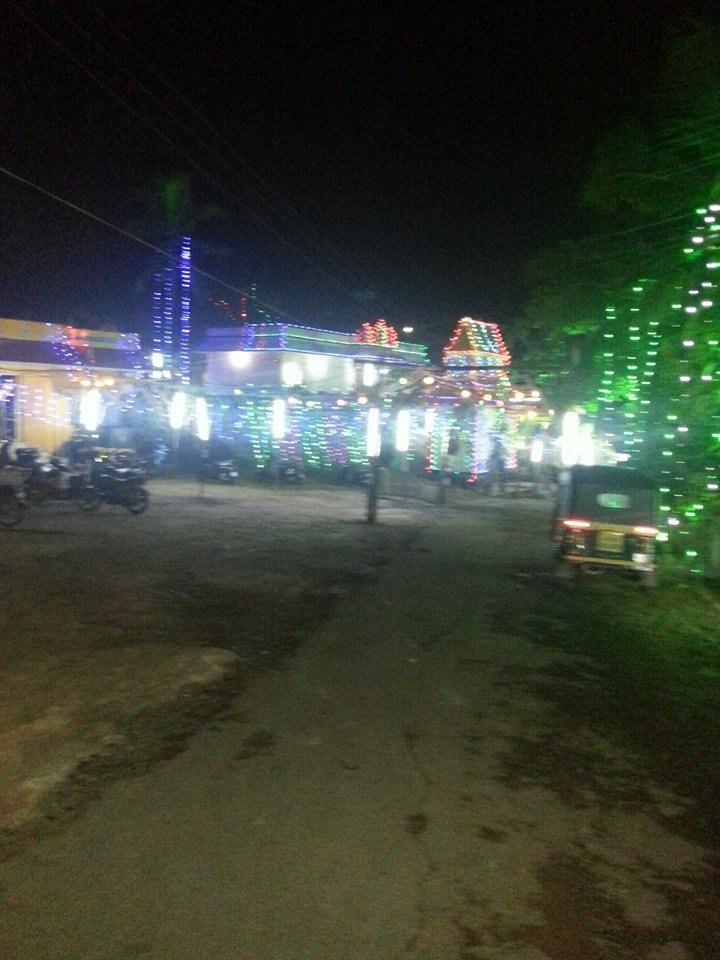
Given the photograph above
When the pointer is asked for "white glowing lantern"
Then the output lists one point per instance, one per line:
(536, 451)
(177, 410)
(278, 418)
(239, 359)
(90, 410)
(570, 439)
(586, 445)
(202, 419)
(157, 360)
(402, 431)
(317, 365)
(373, 441)
(370, 375)
(291, 373)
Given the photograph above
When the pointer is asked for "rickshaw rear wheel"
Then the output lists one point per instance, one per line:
(12, 509)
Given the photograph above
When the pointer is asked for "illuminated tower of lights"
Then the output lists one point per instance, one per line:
(168, 311)
(184, 272)
(171, 313)
(157, 321)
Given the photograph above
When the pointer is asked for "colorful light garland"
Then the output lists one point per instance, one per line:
(378, 333)
(658, 397)
(476, 343)
(184, 270)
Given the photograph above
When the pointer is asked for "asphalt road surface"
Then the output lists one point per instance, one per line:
(423, 745)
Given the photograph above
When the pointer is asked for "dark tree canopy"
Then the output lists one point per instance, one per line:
(648, 174)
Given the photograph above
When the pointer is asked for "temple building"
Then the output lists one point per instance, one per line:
(268, 392)
(282, 355)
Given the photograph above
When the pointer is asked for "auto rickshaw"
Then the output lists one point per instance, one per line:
(604, 520)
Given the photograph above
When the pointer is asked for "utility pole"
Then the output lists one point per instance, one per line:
(373, 489)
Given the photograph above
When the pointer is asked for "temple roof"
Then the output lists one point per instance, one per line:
(476, 344)
(263, 337)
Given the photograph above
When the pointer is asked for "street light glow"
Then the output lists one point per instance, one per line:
(177, 410)
(373, 441)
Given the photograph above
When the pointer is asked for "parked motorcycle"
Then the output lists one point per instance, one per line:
(12, 477)
(54, 479)
(224, 471)
(275, 470)
(354, 475)
(13, 504)
(123, 486)
(290, 473)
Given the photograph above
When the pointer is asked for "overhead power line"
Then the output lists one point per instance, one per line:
(144, 243)
(187, 158)
(317, 246)
(238, 158)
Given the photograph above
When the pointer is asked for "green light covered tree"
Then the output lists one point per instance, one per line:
(686, 445)
(647, 172)
(658, 400)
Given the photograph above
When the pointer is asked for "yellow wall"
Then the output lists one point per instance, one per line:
(46, 397)
(42, 411)
(47, 403)
(73, 336)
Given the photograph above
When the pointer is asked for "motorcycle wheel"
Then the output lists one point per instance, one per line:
(139, 501)
(11, 509)
(89, 500)
(34, 494)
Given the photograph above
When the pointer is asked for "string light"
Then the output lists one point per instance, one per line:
(157, 320)
(184, 270)
(378, 333)
(660, 378)
(475, 343)
(295, 338)
(168, 314)
(459, 414)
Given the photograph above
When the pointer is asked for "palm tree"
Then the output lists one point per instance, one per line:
(170, 220)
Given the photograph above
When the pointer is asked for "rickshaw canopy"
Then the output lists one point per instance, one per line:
(617, 495)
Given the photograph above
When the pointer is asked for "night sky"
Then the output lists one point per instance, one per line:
(396, 160)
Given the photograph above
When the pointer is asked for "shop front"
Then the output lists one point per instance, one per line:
(57, 379)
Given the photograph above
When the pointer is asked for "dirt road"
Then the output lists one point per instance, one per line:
(461, 759)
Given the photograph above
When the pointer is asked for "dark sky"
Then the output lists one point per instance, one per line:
(397, 160)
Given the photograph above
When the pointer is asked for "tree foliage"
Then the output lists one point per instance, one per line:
(171, 211)
(647, 175)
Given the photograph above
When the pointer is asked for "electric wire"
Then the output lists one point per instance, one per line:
(180, 152)
(675, 140)
(188, 104)
(140, 240)
(153, 127)
(188, 129)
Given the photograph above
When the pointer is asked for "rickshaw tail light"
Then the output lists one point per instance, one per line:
(646, 531)
(577, 524)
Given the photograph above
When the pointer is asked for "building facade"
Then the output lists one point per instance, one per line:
(55, 379)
